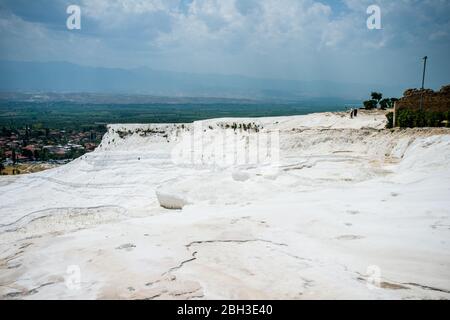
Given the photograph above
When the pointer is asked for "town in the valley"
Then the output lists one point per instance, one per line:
(34, 148)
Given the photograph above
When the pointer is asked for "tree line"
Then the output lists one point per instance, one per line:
(378, 101)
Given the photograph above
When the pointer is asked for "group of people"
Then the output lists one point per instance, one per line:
(353, 113)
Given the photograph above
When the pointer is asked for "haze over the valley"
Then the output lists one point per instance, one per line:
(288, 49)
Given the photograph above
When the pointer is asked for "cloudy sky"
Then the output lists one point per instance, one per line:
(286, 39)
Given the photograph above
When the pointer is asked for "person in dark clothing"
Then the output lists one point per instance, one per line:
(355, 112)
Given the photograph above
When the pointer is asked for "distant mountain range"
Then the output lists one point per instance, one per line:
(63, 77)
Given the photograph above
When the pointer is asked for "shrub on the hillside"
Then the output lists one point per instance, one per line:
(411, 119)
(386, 103)
(370, 104)
(390, 120)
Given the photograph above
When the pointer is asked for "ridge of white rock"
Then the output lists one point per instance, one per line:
(348, 210)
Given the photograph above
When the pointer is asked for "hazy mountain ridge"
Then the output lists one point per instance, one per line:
(66, 77)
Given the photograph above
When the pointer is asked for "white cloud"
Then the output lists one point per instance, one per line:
(274, 38)
(104, 9)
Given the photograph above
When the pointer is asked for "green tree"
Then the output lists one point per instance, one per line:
(393, 101)
(385, 103)
(376, 96)
(370, 104)
(27, 153)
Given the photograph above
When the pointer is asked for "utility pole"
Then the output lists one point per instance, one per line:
(423, 81)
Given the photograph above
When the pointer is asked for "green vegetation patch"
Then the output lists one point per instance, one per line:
(415, 119)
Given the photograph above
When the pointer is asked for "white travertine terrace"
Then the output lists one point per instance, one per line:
(349, 199)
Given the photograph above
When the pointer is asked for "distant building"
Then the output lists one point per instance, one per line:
(90, 146)
(21, 158)
(31, 148)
